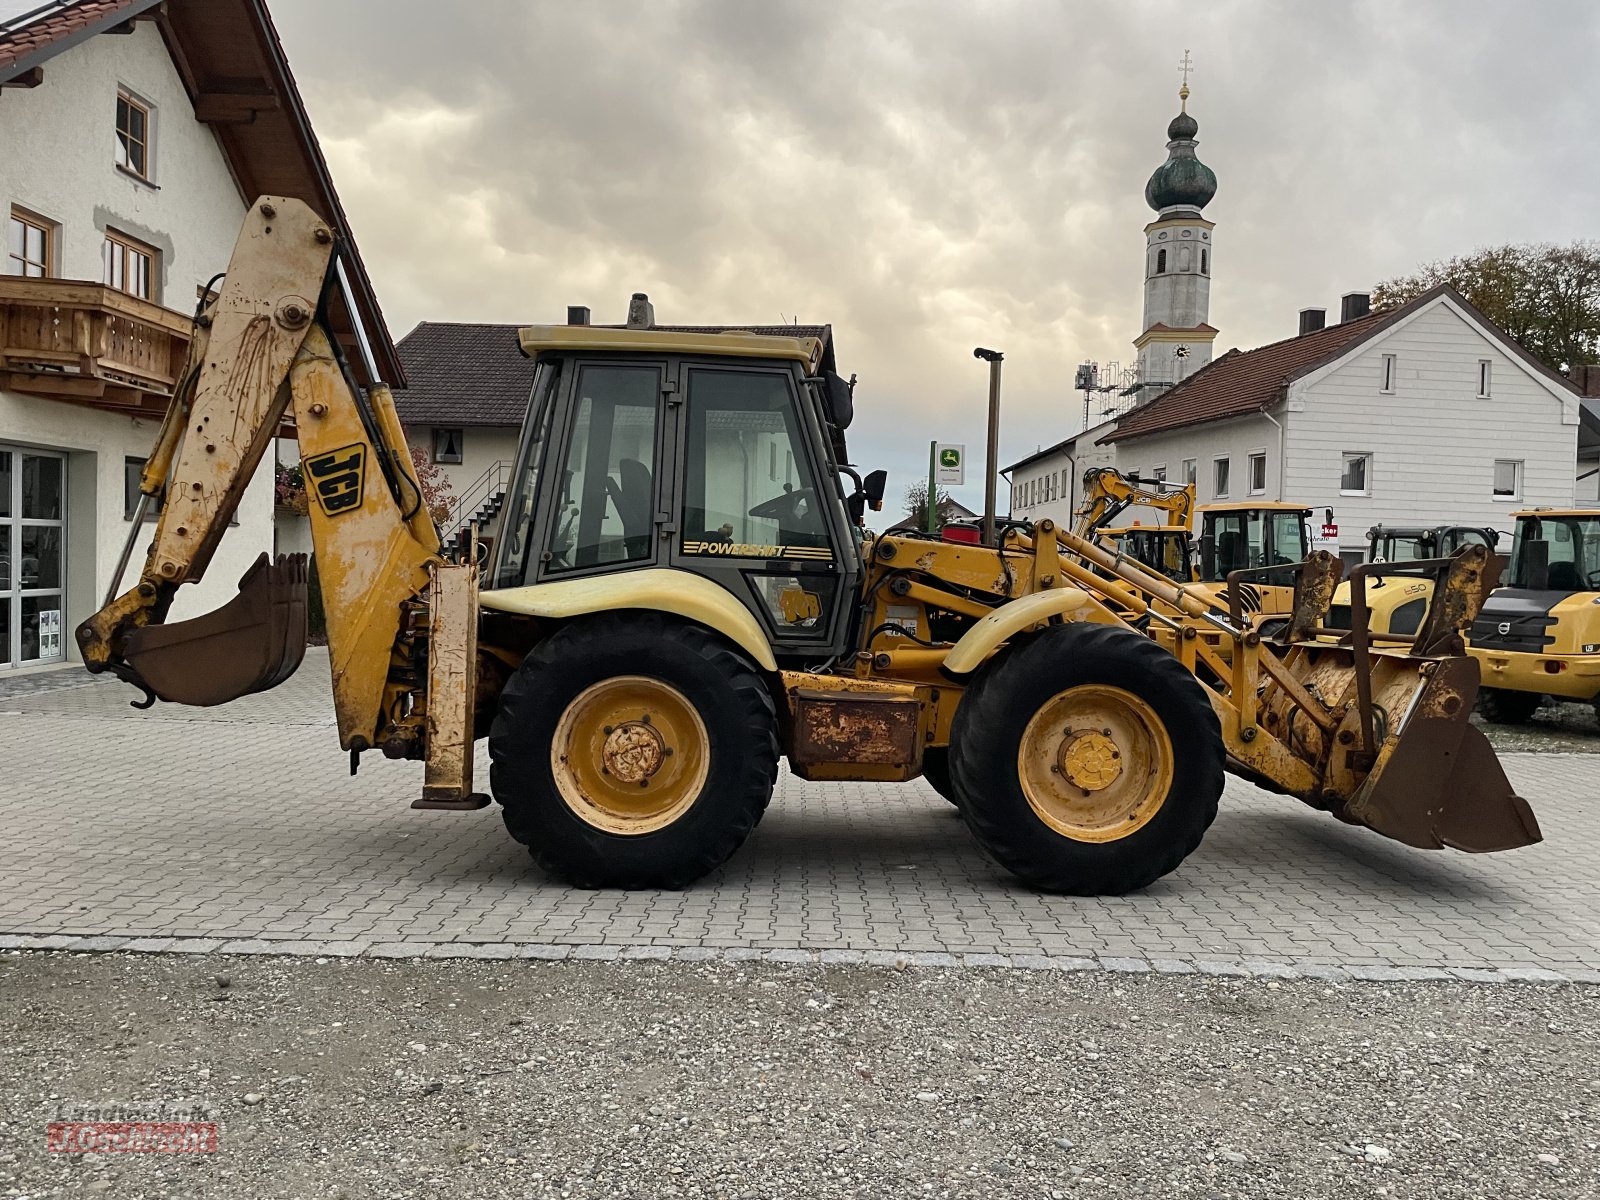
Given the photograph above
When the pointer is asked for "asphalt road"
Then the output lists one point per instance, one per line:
(358, 1078)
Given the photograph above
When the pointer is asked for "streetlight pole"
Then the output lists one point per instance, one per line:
(991, 457)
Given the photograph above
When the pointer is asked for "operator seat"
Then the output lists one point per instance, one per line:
(1565, 577)
(634, 501)
(1230, 556)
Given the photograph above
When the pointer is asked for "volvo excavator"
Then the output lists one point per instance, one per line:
(682, 594)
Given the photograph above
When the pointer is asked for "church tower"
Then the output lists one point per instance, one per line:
(1177, 337)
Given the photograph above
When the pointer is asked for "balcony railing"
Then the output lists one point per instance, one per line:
(86, 343)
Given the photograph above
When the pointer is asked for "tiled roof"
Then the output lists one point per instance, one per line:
(463, 375)
(466, 374)
(24, 34)
(1247, 381)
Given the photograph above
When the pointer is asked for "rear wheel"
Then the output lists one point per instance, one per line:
(936, 772)
(1088, 761)
(633, 751)
(1503, 707)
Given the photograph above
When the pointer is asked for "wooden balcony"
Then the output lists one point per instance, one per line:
(85, 343)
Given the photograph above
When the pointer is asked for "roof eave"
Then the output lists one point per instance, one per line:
(44, 54)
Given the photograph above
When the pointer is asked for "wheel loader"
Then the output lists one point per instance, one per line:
(1398, 605)
(1540, 634)
(682, 595)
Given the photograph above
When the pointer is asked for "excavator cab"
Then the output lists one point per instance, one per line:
(712, 453)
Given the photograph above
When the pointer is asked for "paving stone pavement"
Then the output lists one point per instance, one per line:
(239, 830)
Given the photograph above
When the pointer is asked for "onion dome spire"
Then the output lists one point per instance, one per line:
(1183, 181)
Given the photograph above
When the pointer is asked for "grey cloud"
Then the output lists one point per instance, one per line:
(928, 176)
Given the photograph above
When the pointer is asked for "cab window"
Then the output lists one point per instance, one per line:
(749, 490)
(605, 485)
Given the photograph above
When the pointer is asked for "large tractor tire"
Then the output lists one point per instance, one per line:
(936, 772)
(633, 751)
(1501, 706)
(1088, 761)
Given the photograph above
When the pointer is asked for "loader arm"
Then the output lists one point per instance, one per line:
(1107, 492)
(261, 350)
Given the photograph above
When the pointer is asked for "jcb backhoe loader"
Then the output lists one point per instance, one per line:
(681, 594)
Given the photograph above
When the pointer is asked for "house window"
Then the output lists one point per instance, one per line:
(133, 135)
(1388, 374)
(1355, 479)
(1258, 473)
(1161, 262)
(32, 243)
(1483, 378)
(447, 445)
(1219, 477)
(1190, 470)
(1507, 479)
(1205, 262)
(128, 266)
(1160, 473)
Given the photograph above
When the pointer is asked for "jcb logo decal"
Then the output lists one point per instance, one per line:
(338, 479)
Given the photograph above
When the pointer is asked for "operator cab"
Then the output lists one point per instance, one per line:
(1399, 544)
(1163, 549)
(717, 454)
(1244, 537)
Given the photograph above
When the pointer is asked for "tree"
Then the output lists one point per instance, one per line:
(1547, 297)
(435, 485)
(917, 503)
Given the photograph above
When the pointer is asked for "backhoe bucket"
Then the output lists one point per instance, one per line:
(1437, 782)
(252, 643)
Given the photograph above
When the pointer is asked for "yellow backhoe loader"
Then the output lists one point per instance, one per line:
(671, 608)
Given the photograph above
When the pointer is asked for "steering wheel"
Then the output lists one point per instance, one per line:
(795, 510)
(1594, 580)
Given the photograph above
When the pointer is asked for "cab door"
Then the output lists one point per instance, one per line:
(759, 509)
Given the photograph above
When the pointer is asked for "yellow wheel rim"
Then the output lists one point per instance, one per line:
(1095, 763)
(630, 755)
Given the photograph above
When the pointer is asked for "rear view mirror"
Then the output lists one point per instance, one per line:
(873, 487)
(841, 403)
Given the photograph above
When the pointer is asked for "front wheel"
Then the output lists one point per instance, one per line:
(1501, 706)
(633, 751)
(1088, 760)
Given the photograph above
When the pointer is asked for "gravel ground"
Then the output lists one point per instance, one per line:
(345, 1078)
(1560, 726)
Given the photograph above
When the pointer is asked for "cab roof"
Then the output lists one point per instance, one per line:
(1556, 512)
(1247, 505)
(601, 339)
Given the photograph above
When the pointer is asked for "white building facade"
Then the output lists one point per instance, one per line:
(1427, 415)
(121, 204)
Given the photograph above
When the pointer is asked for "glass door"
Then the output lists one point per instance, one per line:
(32, 553)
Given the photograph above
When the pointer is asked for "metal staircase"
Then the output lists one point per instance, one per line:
(478, 505)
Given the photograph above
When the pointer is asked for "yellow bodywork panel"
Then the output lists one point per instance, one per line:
(661, 589)
(369, 563)
(1009, 620)
(599, 339)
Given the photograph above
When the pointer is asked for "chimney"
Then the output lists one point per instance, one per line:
(1312, 319)
(1587, 377)
(641, 313)
(577, 314)
(1353, 305)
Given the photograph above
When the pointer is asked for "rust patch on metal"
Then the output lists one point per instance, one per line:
(839, 727)
(1314, 586)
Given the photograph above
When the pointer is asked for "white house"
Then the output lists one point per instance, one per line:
(132, 136)
(1426, 414)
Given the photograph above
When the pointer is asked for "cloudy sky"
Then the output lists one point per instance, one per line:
(928, 177)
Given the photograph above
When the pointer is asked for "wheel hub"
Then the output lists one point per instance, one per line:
(634, 752)
(1089, 759)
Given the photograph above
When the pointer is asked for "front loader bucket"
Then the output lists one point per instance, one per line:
(252, 643)
(1437, 782)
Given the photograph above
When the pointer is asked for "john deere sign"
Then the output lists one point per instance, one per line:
(952, 464)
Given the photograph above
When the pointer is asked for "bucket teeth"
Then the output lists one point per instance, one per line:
(252, 643)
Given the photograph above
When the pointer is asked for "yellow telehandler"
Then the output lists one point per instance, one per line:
(681, 594)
